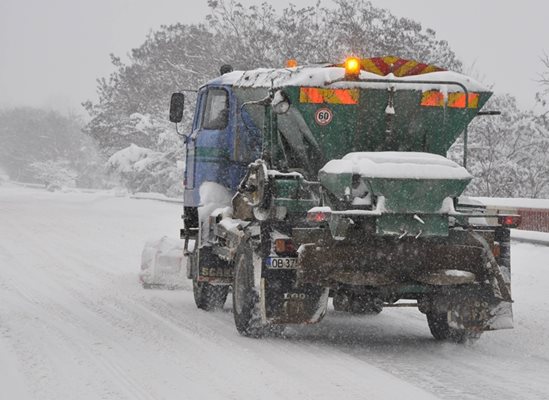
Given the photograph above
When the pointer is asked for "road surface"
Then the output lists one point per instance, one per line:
(76, 324)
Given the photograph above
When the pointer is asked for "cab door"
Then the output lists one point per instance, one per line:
(208, 145)
(188, 177)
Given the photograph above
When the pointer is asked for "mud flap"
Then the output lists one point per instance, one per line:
(501, 317)
(305, 305)
(205, 266)
(481, 316)
(500, 310)
(501, 313)
(468, 315)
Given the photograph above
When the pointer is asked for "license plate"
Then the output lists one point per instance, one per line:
(282, 262)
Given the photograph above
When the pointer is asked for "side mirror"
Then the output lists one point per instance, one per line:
(177, 105)
(280, 102)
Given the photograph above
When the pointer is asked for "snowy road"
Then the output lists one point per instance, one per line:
(75, 324)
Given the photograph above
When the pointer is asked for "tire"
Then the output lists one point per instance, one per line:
(209, 297)
(366, 305)
(441, 330)
(341, 302)
(246, 302)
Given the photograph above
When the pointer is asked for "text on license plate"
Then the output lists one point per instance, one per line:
(281, 262)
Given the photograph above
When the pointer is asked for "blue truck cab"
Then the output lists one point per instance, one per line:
(222, 143)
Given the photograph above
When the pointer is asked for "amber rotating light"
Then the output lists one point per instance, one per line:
(352, 68)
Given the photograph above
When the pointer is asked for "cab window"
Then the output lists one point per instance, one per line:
(216, 112)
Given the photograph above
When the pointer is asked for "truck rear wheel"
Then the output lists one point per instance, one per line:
(441, 329)
(209, 297)
(246, 302)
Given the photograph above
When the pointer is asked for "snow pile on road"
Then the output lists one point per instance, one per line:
(397, 165)
(162, 263)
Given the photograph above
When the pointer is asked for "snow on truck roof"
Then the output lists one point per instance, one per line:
(333, 76)
(397, 165)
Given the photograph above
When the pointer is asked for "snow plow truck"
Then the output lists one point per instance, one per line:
(325, 181)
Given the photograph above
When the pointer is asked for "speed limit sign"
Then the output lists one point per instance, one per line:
(323, 116)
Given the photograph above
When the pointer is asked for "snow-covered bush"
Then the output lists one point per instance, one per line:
(55, 174)
(3, 177)
(146, 170)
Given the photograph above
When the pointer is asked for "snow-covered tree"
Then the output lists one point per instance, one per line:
(133, 100)
(508, 154)
(32, 135)
(173, 58)
(146, 170)
(543, 95)
(258, 37)
(3, 176)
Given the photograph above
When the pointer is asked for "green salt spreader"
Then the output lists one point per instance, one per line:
(347, 194)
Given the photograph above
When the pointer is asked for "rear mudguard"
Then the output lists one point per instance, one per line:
(500, 312)
(501, 317)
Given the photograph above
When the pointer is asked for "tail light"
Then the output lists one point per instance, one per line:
(509, 221)
(319, 214)
(284, 247)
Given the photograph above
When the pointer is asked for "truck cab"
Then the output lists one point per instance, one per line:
(221, 144)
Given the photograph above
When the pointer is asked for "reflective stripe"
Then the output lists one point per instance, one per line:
(398, 66)
(330, 96)
(369, 65)
(311, 95)
(434, 98)
(457, 100)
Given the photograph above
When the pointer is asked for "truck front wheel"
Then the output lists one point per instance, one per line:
(209, 297)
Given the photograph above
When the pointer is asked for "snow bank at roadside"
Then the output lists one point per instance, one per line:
(530, 237)
(519, 202)
(156, 196)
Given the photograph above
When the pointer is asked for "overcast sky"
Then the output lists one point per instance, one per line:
(52, 51)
